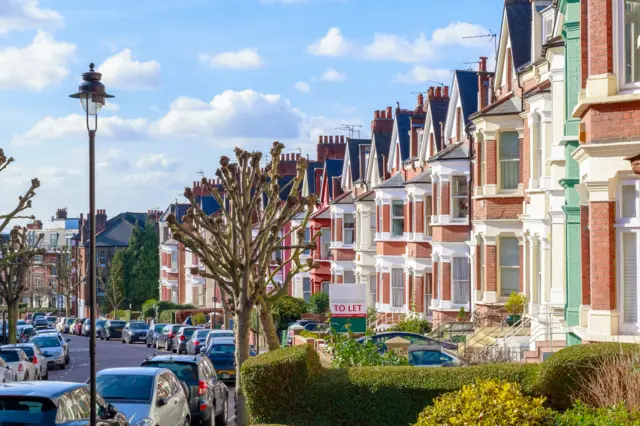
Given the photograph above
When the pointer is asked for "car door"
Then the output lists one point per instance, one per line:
(208, 374)
(180, 399)
(125, 332)
(167, 403)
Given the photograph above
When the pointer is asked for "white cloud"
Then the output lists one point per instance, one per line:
(302, 86)
(40, 64)
(333, 75)
(123, 72)
(391, 47)
(18, 15)
(114, 159)
(110, 107)
(242, 59)
(149, 179)
(421, 74)
(456, 33)
(159, 162)
(332, 44)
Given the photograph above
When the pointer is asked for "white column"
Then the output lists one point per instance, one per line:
(557, 264)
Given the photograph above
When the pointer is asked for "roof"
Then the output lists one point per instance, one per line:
(424, 177)
(518, 14)
(456, 151)
(403, 123)
(117, 233)
(438, 110)
(43, 389)
(367, 196)
(311, 182)
(381, 140)
(70, 224)
(170, 242)
(345, 198)
(353, 145)
(468, 91)
(168, 357)
(505, 106)
(138, 371)
(209, 204)
(332, 169)
(396, 181)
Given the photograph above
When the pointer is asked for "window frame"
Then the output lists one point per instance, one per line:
(500, 243)
(325, 255)
(428, 210)
(454, 291)
(455, 196)
(500, 161)
(310, 291)
(352, 229)
(620, 219)
(395, 218)
(392, 302)
(619, 49)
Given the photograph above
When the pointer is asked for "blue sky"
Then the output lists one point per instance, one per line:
(193, 78)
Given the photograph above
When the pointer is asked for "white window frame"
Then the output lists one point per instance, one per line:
(627, 225)
(372, 230)
(501, 267)
(455, 197)
(373, 287)
(350, 281)
(324, 286)
(428, 210)
(634, 221)
(325, 245)
(345, 229)
(307, 292)
(400, 289)
(500, 162)
(618, 48)
(454, 292)
(306, 240)
(397, 218)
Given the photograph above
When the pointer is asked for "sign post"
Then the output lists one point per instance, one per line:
(348, 307)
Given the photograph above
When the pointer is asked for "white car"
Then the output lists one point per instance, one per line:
(52, 348)
(6, 373)
(36, 357)
(20, 365)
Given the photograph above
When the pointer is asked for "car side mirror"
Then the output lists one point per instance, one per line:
(161, 402)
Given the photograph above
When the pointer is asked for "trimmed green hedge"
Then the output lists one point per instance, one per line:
(561, 374)
(290, 386)
(167, 316)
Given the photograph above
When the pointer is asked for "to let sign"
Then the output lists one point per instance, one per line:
(348, 300)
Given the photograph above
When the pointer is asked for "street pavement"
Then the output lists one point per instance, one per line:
(109, 354)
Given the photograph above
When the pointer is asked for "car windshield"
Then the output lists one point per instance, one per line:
(46, 341)
(158, 327)
(51, 319)
(24, 410)
(117, 323)
(70, 320)
(21, 322)
(138, 326)
(185, 372)
(175, 328)
(100, 323)
(188, 332)
(222, 334)
(222, 349)
(27, 350)
(10, 356)
(201, 334)
(125, 387)
(428, 358)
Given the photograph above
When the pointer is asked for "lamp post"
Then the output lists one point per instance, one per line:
(92, 95)
(214, 299)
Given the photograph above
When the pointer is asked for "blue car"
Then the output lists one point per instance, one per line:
(222, 354)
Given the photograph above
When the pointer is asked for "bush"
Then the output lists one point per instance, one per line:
(289, 309)
(319, 303)
(167, 316)
(583, 415)
(288, 385)
(348, 352)
(489, 403)
(563, 373)
(199, 318)
(412, 325)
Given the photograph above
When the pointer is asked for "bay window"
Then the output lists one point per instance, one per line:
(325, 243)
(348, 228)
(509, 266)
(348, 277)
(307, 240)
(372, 231)
(397, 288)
(306, 289)
(629, 201)
(428, 211)
(630, 27)
(397, 218)
(325, 287)
(509, 160)
(460, 279)
(459, 197)
(372, 289)
(628, 224)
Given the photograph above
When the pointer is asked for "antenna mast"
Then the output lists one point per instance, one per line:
(492, 37)
(351, 128)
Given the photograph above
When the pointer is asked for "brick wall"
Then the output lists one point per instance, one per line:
(390, 248)
(419, 293)
(490, 173)
(603, 255)
(585, 265)
(451, 234)
(497, 208)
(386, 218)
(600, 36)
(612, 122)
(491, 263)
(434, 279)
(386, 280)
(338, 279)
(419, 213)
(446, 280)
(343, 254)
(338, 229)
(445, 198)
(419, 250)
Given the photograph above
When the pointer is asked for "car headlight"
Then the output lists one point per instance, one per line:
(144, 422)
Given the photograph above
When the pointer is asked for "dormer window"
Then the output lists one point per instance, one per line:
(547, 27)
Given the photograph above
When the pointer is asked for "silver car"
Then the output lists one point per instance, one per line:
(52, 348)
(63, 341)
(6, 373)
(22, 369)
(217, 333)
(36, 357)
(146, 396)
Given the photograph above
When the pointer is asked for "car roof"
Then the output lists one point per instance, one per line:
(18, 345)
(48, 389)
(432, 348)
(138, 371)
(10, 349)
(224, 340)
(214, 332)
(175, 358)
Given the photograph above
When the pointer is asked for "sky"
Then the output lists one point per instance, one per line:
(192, 79)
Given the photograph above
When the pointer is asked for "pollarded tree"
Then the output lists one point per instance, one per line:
(64, 269)
(237, 245)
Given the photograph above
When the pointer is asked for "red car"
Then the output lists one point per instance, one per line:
(77, 326)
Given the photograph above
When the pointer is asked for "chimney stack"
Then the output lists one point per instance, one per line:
(482, 66)
(389, 112)
(446, 91)
(430, 93)
(61, 214)
(420, 100)
(326, 139)
(341, 138)
(376, 114)
(319, 139)
(438, 92)
(101, 220)
(483, 84)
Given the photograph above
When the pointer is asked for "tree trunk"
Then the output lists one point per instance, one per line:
(226, 311)
(268, 326)
(242, 326)
(12, 312)
(67, 303)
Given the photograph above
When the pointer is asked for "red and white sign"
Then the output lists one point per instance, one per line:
(348, 300)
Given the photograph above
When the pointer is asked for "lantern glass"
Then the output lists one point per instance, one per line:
(92, 104)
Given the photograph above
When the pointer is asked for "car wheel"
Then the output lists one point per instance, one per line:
(221, 419)
(129, 341)
(26, 377)
(46, 376)
(62, 367)
(66, 361)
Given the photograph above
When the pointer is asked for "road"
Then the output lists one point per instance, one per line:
(109, 354)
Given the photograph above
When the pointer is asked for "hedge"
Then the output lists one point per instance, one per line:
(561, 374)
(290, 386)
(182, 315)
(167, 316)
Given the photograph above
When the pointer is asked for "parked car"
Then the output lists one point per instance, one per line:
(414, 338)
(217, 333)
(291, 331)
(54, 403)
(146, 396)
(165, 337)
(208, 396)
(51, 321)
(179, 343)
(59, 326)
(196, 343)
(221, 352)
(113, 329)
(430, 356)
(30, 317)
(19, 362)
(135, 331)
(24, 333)
(68, 323)
(100, 322)
(77, 326)
(52, 348)
(36, 357)
(21, 322)
(153, 334)
(6, 373)
(40, 322)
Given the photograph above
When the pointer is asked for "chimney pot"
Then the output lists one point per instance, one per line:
(341, 138)
(330, 139)
(420, 99)
(438, 92)
(376, 114)
(320, 139)
(446, 92)
(389, 112)
(482, 66)
(326, 139)
(430, 93)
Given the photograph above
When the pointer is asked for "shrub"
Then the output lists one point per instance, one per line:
(583, 415)
(348, 352)
(289, 309)
(489, 403)
(319, 303)
(563, 373)
(199, 318)
(412, 325)
(167, 316)
(516, 303)
(288, 385)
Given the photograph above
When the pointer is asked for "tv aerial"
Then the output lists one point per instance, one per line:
(491, 36)
(351, 128)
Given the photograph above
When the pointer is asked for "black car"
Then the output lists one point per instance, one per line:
(49, 403)
(153, 334)
(164, 339)
(135, 331)
(113, 329)
(179, 344)
(208, 396)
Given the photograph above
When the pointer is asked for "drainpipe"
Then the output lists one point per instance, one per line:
(469, 130)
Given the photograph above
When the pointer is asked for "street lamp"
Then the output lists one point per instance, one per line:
(92, 96)
(214, 299)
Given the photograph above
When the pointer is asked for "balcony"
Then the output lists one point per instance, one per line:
(323, 254)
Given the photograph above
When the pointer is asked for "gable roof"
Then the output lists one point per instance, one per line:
(118, 230)
(395, 181)
(382, 141)
(518, 15)
(438, 111)
(332, 168)
(311, 182)
(353, 151)
(456, 151)
(424, 177)
(468, 92)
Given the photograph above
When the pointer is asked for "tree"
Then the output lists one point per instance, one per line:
(143, 247)
(237, 245)
(319, 303)
(114, 286)
(16, 254)
(289, 309)
(64, 269)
